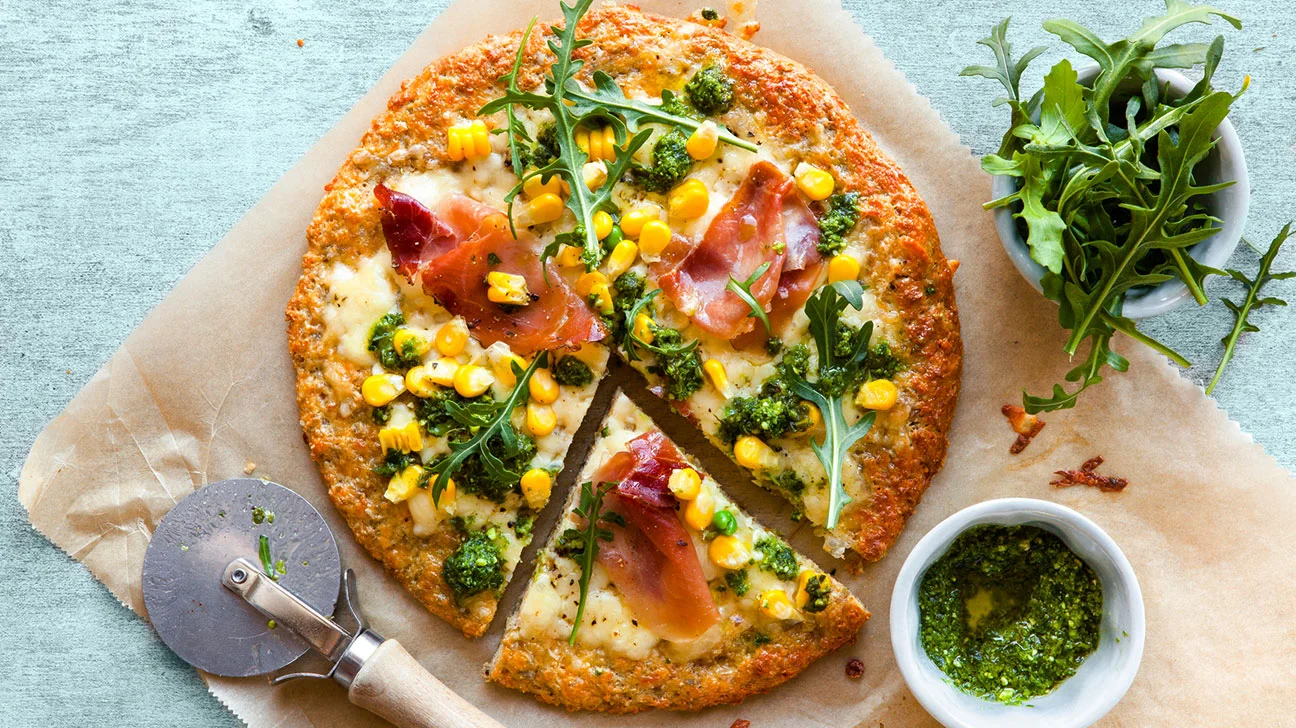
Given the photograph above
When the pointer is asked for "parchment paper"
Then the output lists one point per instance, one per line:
(205, 385)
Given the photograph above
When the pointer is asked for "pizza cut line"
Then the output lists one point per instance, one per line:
(770, 272)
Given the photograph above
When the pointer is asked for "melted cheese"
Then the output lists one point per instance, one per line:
(359, 297)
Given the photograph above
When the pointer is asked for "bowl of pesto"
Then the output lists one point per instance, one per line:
(1017, 612)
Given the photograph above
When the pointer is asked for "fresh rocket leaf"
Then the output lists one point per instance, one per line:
(1253, 301)
(742, 289)
(273, 569)
(583, 544)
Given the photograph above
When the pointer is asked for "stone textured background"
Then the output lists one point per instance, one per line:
(134, 134)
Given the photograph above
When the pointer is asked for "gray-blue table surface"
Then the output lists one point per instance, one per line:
(134, 134)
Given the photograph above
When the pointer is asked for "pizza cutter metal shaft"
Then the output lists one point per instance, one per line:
(277, 603)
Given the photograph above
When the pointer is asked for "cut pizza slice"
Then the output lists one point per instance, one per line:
(684, 601)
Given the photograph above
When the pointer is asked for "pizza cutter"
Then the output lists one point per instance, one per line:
(241, 578)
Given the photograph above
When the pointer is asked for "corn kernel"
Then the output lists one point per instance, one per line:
(814, 182)
(621, 258)
(802, 594)
(404, 340)
(728, 552)
(602, 224)
(471, 380)
(454, 143)
(609, 143)
(404, 484)
(715, 370)
(815, 416)
(540, 419)
(701, 143)
(700, 510)
(585, 284)
(480, 139)
(690, 200)
(602, 294)
(654, 236)
(583, 139)
(442, 372)
(408, 438)
(380, 389)
(643, 324)
(685, 483)
(543, 387)
(842, 267)
(632, 222)
(545, 208)
(446, 503)
(507, 288)
(537, 484)
(419, 381)
(570, 256)
(753, 454)
(533, 187)
(879, 394)
(594, 174)
(452, 337)
(775, 604)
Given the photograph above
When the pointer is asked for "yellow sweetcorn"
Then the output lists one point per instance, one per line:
(843, 267)
(408, 438)
(419, 381)
(653, 237)
(715, 371)
(542, 386)
(643, 324)
(729, 552)
(632, 222)
(621, 258)
(775, 604)
(452, 337)
(685, 483)
(404, 484)
(442, 372)
(699, 511)
(507, 288)
(597, 143)
(753, 454)
(816, 417)
(540, 419)
(380, 389)
(533, 187)
(814, 182)
(406, 340)
(879, 394)
(602, 295)
(537, 484)
(468, 141)
(602, 224)
(585, 284)
(471, 380)
(570, 256)
(545, 208)
(690, 200)
(802, 594)
(702, 142)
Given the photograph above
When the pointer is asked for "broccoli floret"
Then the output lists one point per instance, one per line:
(819, 591)
(380, 343)
(628, 288)
(670, 163)
(382, 415)
(572, 372)
(710, 91)
(788, 481)
(838, 221)
(882, 363)
(570, 544)
(544, 150)
(473, 477)
(737, 580)
(523, 524)
(795, 363)
(777, 411)
(476, 566)
(394, 462)
(779, 558)
(681, 370)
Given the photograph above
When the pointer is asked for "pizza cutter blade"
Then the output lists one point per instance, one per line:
(241, 578)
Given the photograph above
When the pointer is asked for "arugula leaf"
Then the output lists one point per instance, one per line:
(273, 569)
(1007, 72)
(1252, 302)
(632, 343)
(583, 545)
(742, 289)
(824, 310)
(487, 420)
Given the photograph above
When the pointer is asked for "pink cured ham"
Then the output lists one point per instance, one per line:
(450, 253)
(651, 560)
(803, 268)
(747, 233)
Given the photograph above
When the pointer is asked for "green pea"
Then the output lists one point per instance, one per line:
(724, 522)
(613, 238)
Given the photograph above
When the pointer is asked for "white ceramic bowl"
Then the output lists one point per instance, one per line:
(1231, 204)
(1102, 678)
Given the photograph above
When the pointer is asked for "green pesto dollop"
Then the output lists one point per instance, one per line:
(1009, 612)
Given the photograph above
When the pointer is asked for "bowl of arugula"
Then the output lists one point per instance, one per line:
(1118, 188)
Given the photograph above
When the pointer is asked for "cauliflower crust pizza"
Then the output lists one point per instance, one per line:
(616, 182)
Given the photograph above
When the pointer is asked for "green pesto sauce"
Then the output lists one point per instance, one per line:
(1009, 612)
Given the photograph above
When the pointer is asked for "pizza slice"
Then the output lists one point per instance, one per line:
(684, 602)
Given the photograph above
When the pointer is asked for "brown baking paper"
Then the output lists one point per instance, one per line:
(204, 386)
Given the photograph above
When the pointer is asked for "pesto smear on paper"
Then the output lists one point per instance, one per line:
(1009, 612)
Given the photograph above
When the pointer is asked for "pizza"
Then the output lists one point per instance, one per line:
(616, 182)
(676, 612)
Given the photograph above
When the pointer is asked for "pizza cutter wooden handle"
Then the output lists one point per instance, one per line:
(396, 687)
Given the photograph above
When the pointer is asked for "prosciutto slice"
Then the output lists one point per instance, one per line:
(803, 268)
(747, 233)
(449, 253)
(651, 560)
